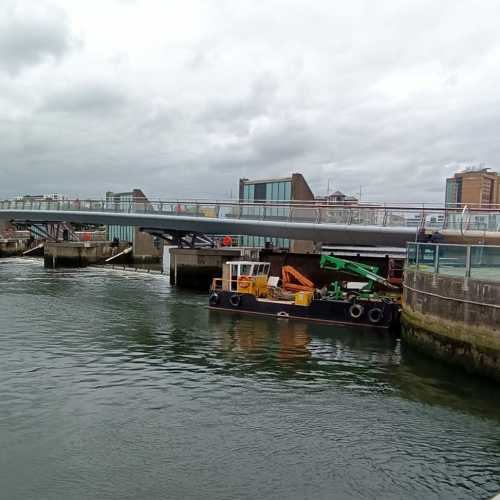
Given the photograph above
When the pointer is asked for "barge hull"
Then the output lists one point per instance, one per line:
(324, 311)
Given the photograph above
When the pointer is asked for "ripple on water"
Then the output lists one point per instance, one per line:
(116, 377)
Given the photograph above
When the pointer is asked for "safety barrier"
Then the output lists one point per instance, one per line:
(480, 262)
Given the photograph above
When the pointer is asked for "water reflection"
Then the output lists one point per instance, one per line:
(255, 338)
(356, 359)
(293, 341)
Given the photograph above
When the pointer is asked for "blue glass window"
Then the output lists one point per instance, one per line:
(288, 191)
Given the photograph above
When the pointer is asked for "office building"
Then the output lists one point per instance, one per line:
(474, 188)
(282, 190)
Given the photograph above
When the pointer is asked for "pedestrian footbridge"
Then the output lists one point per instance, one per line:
(361, 224)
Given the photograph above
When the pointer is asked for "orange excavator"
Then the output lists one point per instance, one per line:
(293, 281)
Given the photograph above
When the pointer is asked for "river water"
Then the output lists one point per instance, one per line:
(115, 386)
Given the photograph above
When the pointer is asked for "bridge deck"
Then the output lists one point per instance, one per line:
(376, 225)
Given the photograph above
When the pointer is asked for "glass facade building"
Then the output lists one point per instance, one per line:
(453, 195)
(121, 201)
(277, 190)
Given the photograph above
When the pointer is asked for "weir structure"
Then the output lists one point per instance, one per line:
(451, 304)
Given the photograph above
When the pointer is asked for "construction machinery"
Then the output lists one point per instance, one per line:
(294, 281)
(337, 291)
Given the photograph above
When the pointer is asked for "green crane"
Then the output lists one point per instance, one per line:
(356, 268)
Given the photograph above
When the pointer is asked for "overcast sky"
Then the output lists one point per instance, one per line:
(182, 98)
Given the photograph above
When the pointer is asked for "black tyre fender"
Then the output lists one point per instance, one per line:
(375, 315)
(213, 299)
(356, 311)
(235, 300)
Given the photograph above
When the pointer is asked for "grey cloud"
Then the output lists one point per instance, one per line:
(31, 33)
(236, 113)
(286, 140)
(96, 98)
(392, 98)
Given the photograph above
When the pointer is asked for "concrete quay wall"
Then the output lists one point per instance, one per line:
(454, 319)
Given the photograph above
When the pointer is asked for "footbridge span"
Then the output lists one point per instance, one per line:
(360, 224)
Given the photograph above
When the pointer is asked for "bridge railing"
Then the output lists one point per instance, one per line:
(430, 217)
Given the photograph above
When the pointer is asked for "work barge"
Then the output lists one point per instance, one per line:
(247, 287)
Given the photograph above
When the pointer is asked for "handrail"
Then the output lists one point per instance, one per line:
(410, 206)
(461, 261)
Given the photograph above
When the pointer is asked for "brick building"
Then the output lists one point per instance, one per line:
(475, 188)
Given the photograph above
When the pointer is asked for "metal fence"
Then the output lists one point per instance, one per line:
(467, 261)
(385, 215)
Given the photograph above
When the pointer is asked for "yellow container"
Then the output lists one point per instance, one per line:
(303, 298)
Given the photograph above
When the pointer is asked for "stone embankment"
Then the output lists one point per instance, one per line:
(454, 318)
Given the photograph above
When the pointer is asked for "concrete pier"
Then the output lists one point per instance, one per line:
(12, 247)
(455, 319)
(76, 254)
(196, 267)
(145, 253)
(85, 253)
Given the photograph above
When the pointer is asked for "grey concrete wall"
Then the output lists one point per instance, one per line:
(454, 319)
(76, 254)
(195, 268)
(12, 248)
(81, 254)
(144, 251)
